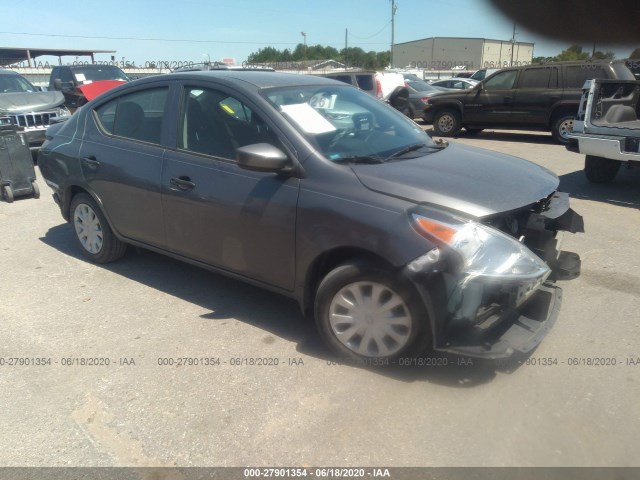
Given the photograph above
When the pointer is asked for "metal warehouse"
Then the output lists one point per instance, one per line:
(445, 53)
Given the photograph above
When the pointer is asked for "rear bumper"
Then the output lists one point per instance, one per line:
(624, 149)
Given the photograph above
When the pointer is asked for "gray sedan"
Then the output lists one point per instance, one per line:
(419, 92)
(456, 83)
(394, 243)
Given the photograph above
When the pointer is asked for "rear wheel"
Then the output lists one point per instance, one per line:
(7, 193)
(368, 312)
(92, 232)
(446, 123)
(562, 127)
(600, 170)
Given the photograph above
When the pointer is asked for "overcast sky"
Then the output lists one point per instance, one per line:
(197, 30)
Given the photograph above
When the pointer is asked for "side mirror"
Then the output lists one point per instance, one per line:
(57, 84)
(263, 157)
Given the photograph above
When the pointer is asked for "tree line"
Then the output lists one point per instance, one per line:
(351, 56)
(576, 52)
(357, 57)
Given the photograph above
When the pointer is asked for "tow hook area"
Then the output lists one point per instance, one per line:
(566, 266)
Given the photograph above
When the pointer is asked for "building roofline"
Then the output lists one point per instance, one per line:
(461, 38)
(11, 55)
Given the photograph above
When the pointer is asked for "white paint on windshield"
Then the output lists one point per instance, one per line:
(308, 118)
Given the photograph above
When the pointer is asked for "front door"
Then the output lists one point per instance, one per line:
(490, 102)
(218, 213)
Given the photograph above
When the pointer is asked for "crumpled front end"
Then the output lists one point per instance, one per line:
(494, 278)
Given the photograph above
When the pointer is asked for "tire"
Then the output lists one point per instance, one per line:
(92, 232)
(345, 316)
(36, 189)
(473, 131)
(561, 127)
(446, 123)
(411, 113)
(600, 170)
(7, 193)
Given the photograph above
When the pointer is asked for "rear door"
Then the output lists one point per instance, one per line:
(121, 157)
(536, 96)
(216, 212)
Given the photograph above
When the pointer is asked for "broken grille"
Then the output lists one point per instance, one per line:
(33, 120)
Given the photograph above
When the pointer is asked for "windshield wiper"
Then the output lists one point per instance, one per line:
(360, 159)
(413, 147)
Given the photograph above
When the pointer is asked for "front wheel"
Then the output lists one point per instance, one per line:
(446, 123)
(7, 193)
(600, 170)
(562, 127)
(35, 189)
(92, 232)
(367, 312)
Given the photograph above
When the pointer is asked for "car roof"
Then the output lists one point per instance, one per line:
(4, 71)
(257, 78)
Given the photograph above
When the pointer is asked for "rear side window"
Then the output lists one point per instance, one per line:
(365, 82)
(137, 116)
(576, 75)
(342, 78)
(535, 78)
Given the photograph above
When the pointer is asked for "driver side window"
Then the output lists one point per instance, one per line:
(501, 81)
(214, 123)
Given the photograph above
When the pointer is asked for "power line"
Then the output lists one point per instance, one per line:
(371, 36)
(182, 40)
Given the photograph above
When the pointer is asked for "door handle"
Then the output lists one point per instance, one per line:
(182, 183)
(91, 162)
(508, 100)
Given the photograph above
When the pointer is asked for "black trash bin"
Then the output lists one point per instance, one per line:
(17, 175)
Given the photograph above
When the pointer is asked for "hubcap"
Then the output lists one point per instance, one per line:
(370, 319)
(566, 128)
(88, 228)
(445, 123)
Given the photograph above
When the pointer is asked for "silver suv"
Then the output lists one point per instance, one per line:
(30, 109)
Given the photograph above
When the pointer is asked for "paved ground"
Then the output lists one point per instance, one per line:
(304, 411)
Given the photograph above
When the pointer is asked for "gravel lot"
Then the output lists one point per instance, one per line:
(147, 309)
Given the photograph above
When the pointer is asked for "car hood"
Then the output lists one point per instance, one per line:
(471, 180)
(25, 102)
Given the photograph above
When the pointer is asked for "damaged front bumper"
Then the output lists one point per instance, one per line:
(491, 317)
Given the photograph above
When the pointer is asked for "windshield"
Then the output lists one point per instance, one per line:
(345, 123)
(15, 84)
(94, 74)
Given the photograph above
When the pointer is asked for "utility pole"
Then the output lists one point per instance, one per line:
(346, 52)
(393, 28)
(513, 43)
(304, 36)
